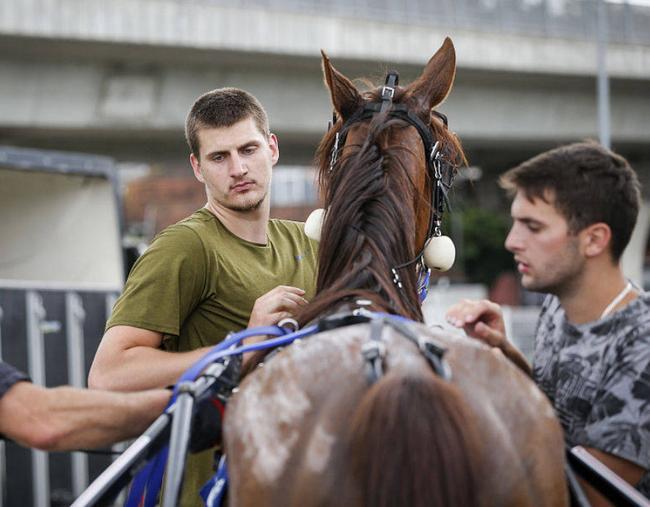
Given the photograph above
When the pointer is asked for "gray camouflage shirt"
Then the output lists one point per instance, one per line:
(597, 375)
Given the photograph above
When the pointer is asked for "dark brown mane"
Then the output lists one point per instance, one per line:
(370, 224)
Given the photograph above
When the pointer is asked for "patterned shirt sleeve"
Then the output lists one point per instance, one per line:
(8, 377)
(619, 421)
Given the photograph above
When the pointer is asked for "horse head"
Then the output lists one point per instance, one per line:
(384, 168)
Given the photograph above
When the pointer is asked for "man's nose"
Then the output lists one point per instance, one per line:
(513, 241)
(237, 166)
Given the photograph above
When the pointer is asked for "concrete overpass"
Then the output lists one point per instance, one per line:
(118, 77)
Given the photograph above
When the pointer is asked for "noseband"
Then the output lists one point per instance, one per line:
(439, 169)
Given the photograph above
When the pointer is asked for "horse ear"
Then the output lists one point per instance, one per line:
(437, 78)
(345, 96)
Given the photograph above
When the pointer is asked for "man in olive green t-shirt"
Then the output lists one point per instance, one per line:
(226, 267)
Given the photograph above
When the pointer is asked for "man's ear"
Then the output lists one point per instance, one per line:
(596, 239)
(275, 148)
(196, 167)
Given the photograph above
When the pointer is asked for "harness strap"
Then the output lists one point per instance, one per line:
(374, 351)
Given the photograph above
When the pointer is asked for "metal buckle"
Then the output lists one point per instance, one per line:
(373, 350)
(289, 323)
(387, 93)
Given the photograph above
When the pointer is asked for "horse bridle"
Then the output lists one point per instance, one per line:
(440, 170)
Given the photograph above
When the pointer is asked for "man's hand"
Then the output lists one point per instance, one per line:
(275, 305)
(483, 320)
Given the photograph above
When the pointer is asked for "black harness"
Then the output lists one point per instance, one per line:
(439, 169)
(374, 350)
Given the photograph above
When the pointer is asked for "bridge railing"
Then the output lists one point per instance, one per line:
(573, 19)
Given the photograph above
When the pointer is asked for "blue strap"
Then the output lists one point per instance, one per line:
(193, 372)
(146, 485)
(214, 490)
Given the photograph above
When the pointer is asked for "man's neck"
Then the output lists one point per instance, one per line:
(247, 225)
(586, 299)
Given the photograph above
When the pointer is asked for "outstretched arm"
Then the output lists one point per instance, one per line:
(483, 320)
(65, 418)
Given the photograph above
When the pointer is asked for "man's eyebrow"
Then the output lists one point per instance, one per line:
(252, 142)
(528, 220)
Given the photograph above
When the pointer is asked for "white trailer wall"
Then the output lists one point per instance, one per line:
(59, 229)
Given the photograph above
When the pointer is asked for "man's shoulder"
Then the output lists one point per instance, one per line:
(195, 223)
(284, 226)
(187, 233)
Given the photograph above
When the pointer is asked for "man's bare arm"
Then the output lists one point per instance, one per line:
(65, 418)
(129, 359)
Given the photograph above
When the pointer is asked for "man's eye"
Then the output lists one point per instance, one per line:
(249, 150)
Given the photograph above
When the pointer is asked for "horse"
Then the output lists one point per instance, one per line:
(383, 411)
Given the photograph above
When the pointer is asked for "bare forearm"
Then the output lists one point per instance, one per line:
(68, 418)
(83, 419)
(140, 368)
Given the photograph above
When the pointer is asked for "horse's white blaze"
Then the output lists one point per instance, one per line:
(271, 412)
(319, 449)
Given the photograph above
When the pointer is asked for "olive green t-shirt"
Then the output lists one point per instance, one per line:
(197, 282)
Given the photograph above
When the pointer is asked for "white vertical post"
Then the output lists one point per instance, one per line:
(36, 327)
(120, 447)
(75, 316)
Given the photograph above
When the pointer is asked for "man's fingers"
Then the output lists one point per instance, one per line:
(287, 288)
(488, 335)
(295, 299)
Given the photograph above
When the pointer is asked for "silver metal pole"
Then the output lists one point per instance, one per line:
(36, 327)
(604, 119)
(75, 316)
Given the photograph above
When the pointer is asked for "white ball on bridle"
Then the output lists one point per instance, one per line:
(440, 253)
(314, 224)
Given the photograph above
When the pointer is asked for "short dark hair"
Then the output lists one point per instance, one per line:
(223, 107)
(589, 184)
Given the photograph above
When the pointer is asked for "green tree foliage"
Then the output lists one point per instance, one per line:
(484, 255)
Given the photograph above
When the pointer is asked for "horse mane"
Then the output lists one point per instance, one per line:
(370, 226)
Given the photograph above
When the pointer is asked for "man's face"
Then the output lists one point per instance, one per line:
(235, 165)
(548, 255)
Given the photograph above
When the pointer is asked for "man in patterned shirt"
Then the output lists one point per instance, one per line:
(573, 213)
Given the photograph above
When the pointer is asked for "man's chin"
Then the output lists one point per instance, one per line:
(246, 206)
